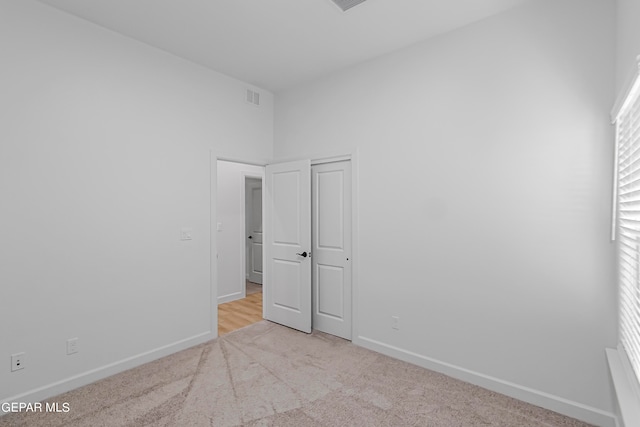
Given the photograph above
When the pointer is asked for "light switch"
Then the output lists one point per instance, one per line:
(219, 226)
(186, 234)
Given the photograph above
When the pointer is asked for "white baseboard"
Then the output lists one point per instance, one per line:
(545, 400)
(231, 297)
(94, 375)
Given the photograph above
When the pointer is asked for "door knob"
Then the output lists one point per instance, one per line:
(251, 237)
(303, 254)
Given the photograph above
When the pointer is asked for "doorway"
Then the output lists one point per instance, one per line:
(239, 245)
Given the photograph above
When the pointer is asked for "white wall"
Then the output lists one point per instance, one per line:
(628, 42)
(104, 156)
(231, 239)
(498, 261)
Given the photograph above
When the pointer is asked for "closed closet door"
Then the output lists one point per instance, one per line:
(331, 253)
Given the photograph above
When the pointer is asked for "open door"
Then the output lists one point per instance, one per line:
(253, 229)
(287, 244)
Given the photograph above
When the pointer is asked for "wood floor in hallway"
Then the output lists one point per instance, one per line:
(240, 313)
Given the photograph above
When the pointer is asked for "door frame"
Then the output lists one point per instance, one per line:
(317, 158)
(214, 157)
(243, 264)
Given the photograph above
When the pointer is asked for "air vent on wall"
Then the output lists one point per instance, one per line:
(347, 4)
(253, 97)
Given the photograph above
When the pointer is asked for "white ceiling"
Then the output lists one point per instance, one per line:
(277, 44)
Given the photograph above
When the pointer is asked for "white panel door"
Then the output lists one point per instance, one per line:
(287, 243)
(254, 261)
(331, 289)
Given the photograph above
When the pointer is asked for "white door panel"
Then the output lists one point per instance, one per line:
(256, 263)
(330, 285)
(286, 199)
(331, 201)
(330, 216)
(285, 296)
(288, 217)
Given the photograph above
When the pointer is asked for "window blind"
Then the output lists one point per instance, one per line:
(628, 223)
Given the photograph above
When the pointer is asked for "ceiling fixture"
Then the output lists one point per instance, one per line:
(347, 4)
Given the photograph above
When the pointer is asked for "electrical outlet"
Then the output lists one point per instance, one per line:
(72, 346)
(17, 362)
(395, 322)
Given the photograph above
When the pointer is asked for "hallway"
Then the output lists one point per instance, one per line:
(240, 313)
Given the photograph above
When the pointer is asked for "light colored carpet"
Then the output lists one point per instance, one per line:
(269, 375)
